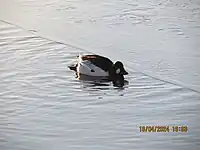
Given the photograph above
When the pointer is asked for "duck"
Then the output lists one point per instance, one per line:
(100, 67)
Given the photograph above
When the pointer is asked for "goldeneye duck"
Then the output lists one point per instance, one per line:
(102, 67)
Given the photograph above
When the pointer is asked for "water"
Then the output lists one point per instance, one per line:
(43, 106)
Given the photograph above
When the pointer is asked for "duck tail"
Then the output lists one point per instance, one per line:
(72, 67)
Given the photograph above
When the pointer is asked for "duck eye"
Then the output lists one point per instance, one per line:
(118, 71)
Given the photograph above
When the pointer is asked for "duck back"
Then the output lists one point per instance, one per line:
(99, 61)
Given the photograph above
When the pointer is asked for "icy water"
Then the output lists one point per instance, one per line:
(43, 106)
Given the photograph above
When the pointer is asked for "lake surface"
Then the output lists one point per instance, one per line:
(43, 105)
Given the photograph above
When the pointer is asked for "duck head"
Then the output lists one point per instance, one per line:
(119, 68)
(117, 74)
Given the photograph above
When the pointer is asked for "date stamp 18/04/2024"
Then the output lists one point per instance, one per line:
(163, 128)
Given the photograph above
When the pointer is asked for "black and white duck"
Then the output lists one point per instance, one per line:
(102, 67)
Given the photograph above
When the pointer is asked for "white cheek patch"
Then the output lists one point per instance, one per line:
(118, 71)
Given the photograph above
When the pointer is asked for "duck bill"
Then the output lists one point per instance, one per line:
(124, 72)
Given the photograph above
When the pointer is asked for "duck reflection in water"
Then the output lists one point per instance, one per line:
(99, 81)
